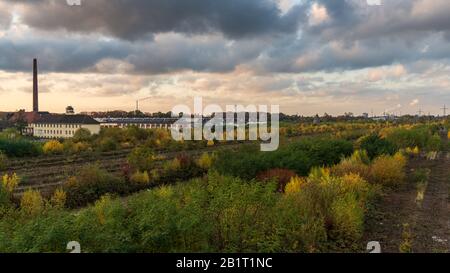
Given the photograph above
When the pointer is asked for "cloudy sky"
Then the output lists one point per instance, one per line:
(308, 56)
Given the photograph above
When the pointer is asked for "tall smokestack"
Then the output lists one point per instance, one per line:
(35, 87)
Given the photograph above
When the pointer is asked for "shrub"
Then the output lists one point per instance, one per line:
(295, 185)
(10, 182)
(32, 203)
(75, 147)
(90, 184)
(53, 147)
(82, 135)
(299, 157)
(108, 144)
(140, 178)
(141, 158)
(182, 167)
(58, 199)
(413, 151)
(281, 176)
(356, 164)
(388, 170)
(206, 161)
(20, 147)
(340, 203)
(375, 146)
(434, 143)
(422, 136)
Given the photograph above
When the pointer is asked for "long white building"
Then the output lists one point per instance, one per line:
(63, 126)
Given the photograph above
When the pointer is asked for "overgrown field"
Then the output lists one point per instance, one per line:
(312, 195)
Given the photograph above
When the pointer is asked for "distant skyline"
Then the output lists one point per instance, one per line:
(308, 56)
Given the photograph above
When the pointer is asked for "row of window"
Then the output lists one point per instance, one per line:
(55, 132)
(146, 126)
(58, 126)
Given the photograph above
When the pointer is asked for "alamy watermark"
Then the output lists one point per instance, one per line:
(237, 122)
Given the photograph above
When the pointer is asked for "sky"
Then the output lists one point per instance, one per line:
(308, 56)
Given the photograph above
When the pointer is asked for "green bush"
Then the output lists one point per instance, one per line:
(375, 146)
(90, 184)
(82, 135)
(108, 144)
(423, 137)
(299, 156)
(20, 147)
(141, 158)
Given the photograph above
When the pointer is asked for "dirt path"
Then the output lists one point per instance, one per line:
(404, 220)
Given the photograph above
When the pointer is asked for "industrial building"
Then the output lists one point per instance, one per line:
(63, 126)
(46, 125)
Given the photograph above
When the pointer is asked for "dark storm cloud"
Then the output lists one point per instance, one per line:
(164, 36)
(133, 19)
(57, 55)
(168, 54)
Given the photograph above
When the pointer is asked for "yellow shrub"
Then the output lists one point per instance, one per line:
(10, 182)
(448, 135)
(141, 178)
(349, 166)
(412, 151)
(355, 184)
(210, 143)
(295, 185)
(348, 220)
(32, 202)
(59, 198)
(173, 165)
(205, 161)
(53, 147)
(388, 170)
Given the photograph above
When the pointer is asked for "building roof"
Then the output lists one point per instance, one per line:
(138, 120)
(67, 119)
(28, 117)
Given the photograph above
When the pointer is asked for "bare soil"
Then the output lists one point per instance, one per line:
(402, 224)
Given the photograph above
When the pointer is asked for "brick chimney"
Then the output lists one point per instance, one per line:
(35, 87)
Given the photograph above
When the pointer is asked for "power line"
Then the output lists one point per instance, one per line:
(445, 110)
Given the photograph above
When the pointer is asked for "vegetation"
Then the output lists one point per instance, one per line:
(298, 156)
(90, 184)
(423, 137)
(375, 146)
(311, 195)
(53, 147)
(200, 216)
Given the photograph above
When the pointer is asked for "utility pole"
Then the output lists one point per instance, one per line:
(445, 110)
(137, 103)
(420, 112)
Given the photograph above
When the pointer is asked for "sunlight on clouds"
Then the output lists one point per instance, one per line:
(318, 14)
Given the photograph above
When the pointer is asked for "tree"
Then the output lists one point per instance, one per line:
(81, 135)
